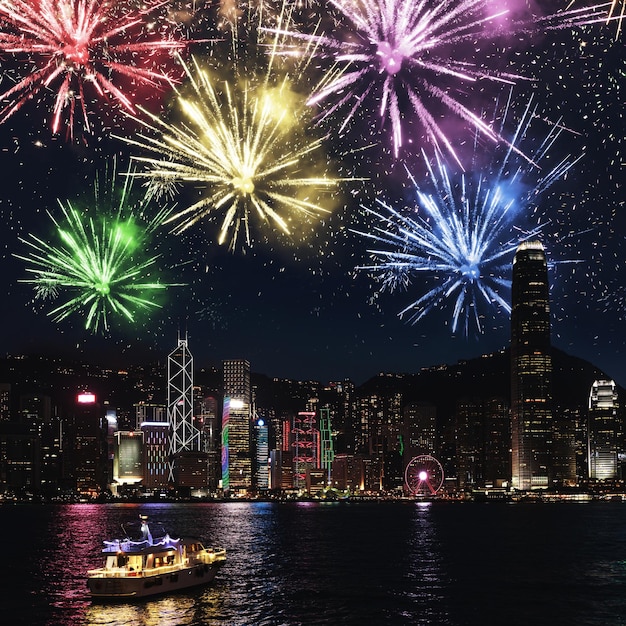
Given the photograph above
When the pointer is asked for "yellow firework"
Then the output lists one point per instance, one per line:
(245, 146)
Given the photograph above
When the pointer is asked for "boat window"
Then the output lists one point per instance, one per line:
(122, 559)
(134, 563)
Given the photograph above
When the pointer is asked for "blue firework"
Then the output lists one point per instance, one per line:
(462, 235)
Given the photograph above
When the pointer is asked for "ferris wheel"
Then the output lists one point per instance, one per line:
(423, 475)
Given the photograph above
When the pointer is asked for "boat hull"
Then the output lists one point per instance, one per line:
(142, 586)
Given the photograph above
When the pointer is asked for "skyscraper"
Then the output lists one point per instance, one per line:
(531, 369)
(261, 469)
(239, 452)
(603, 430)
(184, 436)
(151, 420)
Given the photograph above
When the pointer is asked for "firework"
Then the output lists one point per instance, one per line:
(616, 13)
(98, 264)
(464, 236)
(79, 49)
(412, 60)
(244, 144)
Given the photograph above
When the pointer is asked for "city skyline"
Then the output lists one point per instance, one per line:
(299, 309)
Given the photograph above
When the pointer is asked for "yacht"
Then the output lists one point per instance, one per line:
(147, 563)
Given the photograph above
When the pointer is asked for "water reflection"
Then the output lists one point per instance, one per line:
(168, 611)
(332, 563)
(427, 597)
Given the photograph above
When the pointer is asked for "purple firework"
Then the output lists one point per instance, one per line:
(412, 56)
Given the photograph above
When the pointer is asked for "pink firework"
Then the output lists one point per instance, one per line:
(416, 59)
(72, 47)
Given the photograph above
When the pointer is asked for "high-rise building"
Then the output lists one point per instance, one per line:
(239, 452)
(305, 453)
(261, 465)
(209, 423)
(470, 449)
(127, 461)
(149, 412)
(85, 451)
(184, 436)
(37, 414)
(419, 430)
(327, 450)
(156, 464)
(603, 431)
(281, 470)
(497, 443)
(151, 420)
(531, 369)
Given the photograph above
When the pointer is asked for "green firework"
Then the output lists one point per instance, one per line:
(98, 264)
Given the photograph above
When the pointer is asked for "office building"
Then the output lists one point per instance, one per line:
(305, 446)
(128, 458)
(603, 431)
(209, 424)
(261, 466)
(239, 420)
(531, 370)
(419, 430)
(184, 436)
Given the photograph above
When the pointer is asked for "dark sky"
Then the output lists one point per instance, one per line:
(301, 311)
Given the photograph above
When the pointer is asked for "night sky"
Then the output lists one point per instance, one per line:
(297, 307)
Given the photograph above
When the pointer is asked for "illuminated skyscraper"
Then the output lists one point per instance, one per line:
(151, 420)
(209, 423)
(305, 438)
(238, 451)
(184, 436)
(327, 451)
(127, 460)
(261, 469)
(531, 369)
(603, 430)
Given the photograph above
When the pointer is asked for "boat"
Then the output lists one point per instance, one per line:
(147, 561)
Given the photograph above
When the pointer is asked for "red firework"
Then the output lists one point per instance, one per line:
(74, 46)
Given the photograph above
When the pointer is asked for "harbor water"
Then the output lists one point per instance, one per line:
(335, 563)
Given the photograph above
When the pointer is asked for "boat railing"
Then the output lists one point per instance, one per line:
(210, 555)
(128, 545)
(124, 572)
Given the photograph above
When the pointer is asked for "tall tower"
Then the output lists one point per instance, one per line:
(239, 455)
(304, 448)
(327, 452)
(184, 436)
(603, 430)
(261, 469)
(531, 369)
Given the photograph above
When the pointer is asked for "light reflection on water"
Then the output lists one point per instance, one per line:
(334, 563)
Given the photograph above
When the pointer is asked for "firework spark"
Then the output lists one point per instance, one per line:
(245, 145)
(410, 57)
(616, 13)
(465, 236)
(97, 263)
(76, 46)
